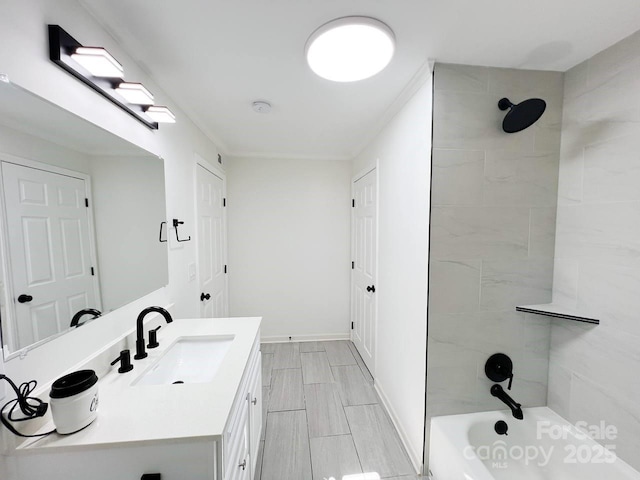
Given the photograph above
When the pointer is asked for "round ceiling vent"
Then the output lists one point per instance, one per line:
(261, 107)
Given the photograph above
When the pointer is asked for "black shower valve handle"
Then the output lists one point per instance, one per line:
(499, 368)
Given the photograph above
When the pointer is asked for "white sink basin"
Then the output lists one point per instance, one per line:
(188, 360)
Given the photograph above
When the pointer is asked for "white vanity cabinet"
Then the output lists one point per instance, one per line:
(242, 434)
(186, 432)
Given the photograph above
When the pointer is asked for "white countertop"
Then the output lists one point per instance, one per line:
(153, 413)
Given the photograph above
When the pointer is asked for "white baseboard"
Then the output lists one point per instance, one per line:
(305, 338)
(415, 457)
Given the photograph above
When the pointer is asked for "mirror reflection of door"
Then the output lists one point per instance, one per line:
(50, 249)
(211, 244)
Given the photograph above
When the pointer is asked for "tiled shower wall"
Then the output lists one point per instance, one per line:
(492, 235)
(593, 373)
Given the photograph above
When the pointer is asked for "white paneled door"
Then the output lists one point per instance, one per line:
(364, 267)
(211, 244)
(50, 249)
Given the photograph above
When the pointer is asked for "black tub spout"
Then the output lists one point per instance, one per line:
(516, 408)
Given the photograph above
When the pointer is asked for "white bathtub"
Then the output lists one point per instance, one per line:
(543, 446)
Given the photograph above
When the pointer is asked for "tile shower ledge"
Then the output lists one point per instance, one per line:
(558, 311)
(159, 413)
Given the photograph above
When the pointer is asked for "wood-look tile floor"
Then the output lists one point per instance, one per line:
(322, 418)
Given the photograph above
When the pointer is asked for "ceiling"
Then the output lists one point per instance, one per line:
(215, 57)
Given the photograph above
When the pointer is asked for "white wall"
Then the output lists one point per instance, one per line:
(24, 58)
(593, 369)
(403, 154)
(289, 254)
(28, 147)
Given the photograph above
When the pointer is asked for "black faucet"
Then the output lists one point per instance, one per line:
(81, 313)
(498, 391)
(140, 352)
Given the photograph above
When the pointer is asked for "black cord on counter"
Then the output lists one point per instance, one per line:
(31, 407)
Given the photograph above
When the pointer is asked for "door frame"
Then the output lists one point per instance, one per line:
(221, 174)
(354, 179)
(6, 268)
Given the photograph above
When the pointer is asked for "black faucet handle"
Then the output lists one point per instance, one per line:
(125, 361)
(510, 381)
(153, 337)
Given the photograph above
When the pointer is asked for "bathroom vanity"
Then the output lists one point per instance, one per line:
(206, 428)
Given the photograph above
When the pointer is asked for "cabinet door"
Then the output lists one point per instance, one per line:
(239, 465)
(255, 412)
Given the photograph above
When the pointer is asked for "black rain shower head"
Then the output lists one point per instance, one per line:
(522, 115)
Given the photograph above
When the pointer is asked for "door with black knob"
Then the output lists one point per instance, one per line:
(50, 248)
(364, 267)
(211, 241)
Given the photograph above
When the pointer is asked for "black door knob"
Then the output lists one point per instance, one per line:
(204, 297)
(24, 298)
(371, 289)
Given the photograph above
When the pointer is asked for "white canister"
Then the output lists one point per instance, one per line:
(74, 401)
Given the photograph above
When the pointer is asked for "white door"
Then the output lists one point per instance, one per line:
(50, 250)
(211, 244)
(363, 278)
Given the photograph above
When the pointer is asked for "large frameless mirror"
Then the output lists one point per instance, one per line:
(80, 221)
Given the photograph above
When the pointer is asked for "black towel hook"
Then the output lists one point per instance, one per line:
(160, 235)
(176, 222)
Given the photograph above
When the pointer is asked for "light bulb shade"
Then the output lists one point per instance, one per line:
(98, 62)
(135, 93)
(160, 114)
(349, 49)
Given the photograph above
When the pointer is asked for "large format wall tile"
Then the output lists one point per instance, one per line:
(612, 171)
(612, 407)
(605, 65)
(461, 78)
(493, 229)
(523, 84)
(508, 282)
(472, 121)
(542, 232)
(457, 288)
(604, 232)
(565, 282)
(459, 177)
(513, 178)
(479, 232)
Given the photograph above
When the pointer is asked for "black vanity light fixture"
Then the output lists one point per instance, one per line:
(98, 69)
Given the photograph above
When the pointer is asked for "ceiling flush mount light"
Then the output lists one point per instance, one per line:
(161, 114)
(135, 93)
(350, 48)
(98, 62)
(97, 69)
